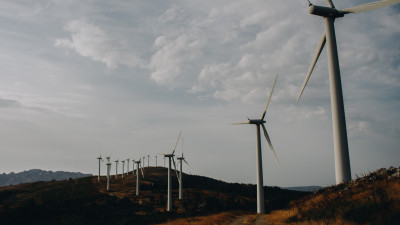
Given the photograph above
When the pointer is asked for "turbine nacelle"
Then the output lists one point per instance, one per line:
(325, 11)
(256, 121)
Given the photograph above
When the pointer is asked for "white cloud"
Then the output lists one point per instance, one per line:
(91, 41)
(171, 55)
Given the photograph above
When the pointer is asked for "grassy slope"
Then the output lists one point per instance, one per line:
(372, 199)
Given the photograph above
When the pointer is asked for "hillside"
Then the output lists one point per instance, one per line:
(37, 175)
(86, 201)
(371, 199)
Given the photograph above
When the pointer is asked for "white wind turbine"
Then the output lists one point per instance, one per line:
(170, 157)
(148, 160)
(258, 123)
(116, 168)
(99, 158)
(180, 172)
(342, 159)
(138, 176)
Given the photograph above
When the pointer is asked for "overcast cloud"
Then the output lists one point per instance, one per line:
(83, 78)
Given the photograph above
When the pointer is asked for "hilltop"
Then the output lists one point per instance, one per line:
(86, 201)
(37, 175)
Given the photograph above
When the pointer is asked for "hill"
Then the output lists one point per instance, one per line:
(37, 175)
(86, 201)
(371, 199)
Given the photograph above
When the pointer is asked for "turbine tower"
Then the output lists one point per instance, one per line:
(148, 160)
(138, 176)
(133, 166)
(340, 143)
(170, 156)
(108, 172)
(99, 158)
(127, 167)
(156, 160)
(123, 168)
(180, 159)
(116, 168)
(258, 123)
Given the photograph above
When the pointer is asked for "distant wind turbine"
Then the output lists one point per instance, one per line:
(156, 160)
(258, 123)
(340, 142)
(170, 157)
(180, 172)
(148, 160)
(99, 158)
(138, 176)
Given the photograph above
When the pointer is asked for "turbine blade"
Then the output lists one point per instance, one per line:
(269, 98)
(162, 153)
(187, 164)
(313, 62)
(330, 3)
(173, 161)
(176, 142)
(269, 142)
(369, 6)
(244, 122)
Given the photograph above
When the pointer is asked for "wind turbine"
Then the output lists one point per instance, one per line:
(156, 161)
(258, 123)
(123, 168)
(170, 156)
(148, 160)
(138, 176)
(340, 143)
(144, 157)
(180, 172)
(99, 158)
(116, 168)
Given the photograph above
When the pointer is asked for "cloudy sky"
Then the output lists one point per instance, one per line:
(83, 78)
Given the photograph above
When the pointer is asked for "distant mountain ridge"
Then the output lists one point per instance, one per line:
(34, 175)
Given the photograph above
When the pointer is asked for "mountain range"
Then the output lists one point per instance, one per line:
(34, 175)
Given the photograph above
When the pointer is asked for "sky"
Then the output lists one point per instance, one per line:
(123, 78)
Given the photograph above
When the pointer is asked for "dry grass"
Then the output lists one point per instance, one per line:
(216, 219)
(365, 201)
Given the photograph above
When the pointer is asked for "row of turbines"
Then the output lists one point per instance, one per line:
(342, 160)
(341, 149)
(139, 169)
